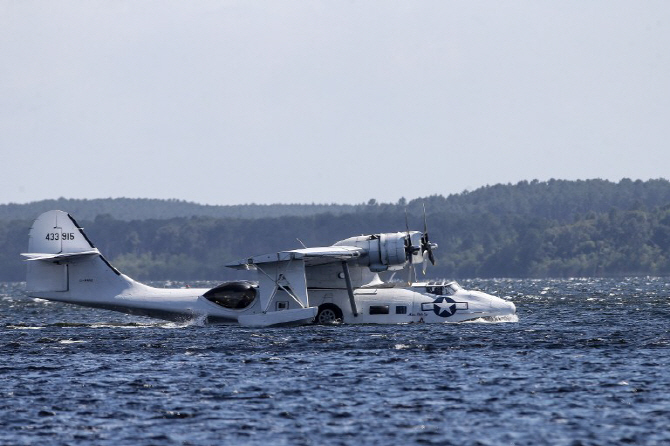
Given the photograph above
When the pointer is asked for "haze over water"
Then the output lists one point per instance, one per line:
(586, 363)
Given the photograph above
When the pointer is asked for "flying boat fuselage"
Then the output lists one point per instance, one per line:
(337, 283)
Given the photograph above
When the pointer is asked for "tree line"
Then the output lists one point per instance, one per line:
(146, 208)
(529, 229)
(554, 199)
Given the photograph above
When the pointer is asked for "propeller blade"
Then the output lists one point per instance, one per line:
(426, 246)
(424, 263)
(409, 252)
(409, 249)
(406, 222)
(409, 270)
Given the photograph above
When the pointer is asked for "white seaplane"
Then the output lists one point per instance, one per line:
(338, 283)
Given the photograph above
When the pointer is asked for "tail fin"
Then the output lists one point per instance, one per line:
(61, 257)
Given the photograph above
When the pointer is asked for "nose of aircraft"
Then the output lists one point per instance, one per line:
(501, 306)
(504, 305)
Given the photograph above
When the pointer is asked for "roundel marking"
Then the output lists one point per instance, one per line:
(444, 306)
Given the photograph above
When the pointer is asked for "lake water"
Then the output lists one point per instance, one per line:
(587, 363)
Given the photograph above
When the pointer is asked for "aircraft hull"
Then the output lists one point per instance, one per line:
(407, 305)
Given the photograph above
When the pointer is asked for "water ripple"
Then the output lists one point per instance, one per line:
(586, 363)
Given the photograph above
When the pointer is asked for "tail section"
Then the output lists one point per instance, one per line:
(63, 263)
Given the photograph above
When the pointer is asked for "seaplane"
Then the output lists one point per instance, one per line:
(325, 285)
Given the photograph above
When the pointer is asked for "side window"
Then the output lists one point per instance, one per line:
(401, 309)
(379, 309)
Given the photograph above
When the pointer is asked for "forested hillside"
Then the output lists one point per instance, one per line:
(531, 229)
(144, 209)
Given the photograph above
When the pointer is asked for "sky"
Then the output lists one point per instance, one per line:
(233, 102)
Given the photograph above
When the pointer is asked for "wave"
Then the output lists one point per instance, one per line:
(494, 319)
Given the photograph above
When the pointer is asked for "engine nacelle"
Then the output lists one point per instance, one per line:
(384, 251)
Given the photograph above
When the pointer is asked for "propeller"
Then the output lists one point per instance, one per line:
(426, 245)
(409, 250)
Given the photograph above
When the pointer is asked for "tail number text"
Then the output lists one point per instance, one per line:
(59, 236)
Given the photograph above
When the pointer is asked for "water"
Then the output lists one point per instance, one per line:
(586, 364)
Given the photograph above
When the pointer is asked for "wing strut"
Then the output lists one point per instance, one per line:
(350, 288)
(279, 283)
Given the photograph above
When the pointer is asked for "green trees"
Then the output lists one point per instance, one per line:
(531, 229)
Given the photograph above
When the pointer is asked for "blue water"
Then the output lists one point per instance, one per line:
(586, 364)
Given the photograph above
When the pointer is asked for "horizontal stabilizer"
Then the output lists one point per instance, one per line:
(63, 257)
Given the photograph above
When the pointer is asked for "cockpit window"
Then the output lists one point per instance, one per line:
(233, 295)
(453, 287)
(443, 288)
(432, 289)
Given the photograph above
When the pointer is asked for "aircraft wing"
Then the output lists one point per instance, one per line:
(310, 256)
(285, 270)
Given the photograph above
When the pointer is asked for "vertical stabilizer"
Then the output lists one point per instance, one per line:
(62, 260)
(56, 232)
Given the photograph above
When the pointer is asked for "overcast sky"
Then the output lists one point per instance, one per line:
(229, 102)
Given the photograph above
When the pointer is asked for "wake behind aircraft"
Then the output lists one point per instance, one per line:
(337, 283)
